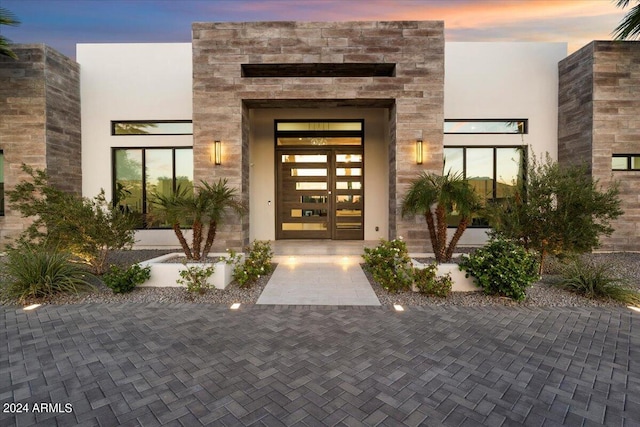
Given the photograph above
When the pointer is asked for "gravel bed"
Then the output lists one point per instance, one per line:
(142, 294)
(541, 294)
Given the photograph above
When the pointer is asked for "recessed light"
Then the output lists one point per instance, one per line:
(398, 307)
(634, 308)
(32, 307)
(235, 306)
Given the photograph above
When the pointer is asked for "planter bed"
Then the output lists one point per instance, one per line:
(165, 270)
(460, 282)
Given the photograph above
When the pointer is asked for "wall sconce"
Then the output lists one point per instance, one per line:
(217, 152)
(418, 152)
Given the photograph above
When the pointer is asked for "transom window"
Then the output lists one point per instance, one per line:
(138, 173)
(625, 162)
(319, 133)
(493, 172)
(158, 127)
(489, 126)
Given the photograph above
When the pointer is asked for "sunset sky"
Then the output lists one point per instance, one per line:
(63, 23)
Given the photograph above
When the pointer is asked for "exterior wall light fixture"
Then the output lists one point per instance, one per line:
(419, 152)
(217, 152)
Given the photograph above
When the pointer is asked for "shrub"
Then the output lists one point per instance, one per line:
(502, 267)
(390, 265)
(202, 209)
(88, 228)
(597, 280)
(195, 277)
(123, 280)
(428, 283)
(34, 273)
(435, 197)
(559, 210)
(257, 263)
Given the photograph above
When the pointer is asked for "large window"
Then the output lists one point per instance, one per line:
(1, 183)
(140, 173)
(494, 173)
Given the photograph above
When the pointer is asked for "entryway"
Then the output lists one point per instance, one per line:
(320, 180)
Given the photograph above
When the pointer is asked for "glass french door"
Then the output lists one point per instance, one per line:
(320, 193)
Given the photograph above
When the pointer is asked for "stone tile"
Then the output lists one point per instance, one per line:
(318, 280)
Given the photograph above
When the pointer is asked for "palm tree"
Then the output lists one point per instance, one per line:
(172, 209)
(7, 18)
(435, 197)
(205, 207)
(221, 198)
(629, 27)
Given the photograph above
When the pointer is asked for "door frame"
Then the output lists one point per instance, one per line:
(331, 151)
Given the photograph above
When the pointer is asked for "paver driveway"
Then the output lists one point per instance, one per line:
(272, 365)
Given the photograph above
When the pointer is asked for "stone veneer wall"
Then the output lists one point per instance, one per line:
(414, 95)
(600, 96)
(39, 122)
(575, 107)
(63, 134)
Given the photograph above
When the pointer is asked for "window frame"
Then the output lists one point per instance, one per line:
(145, 225)
(115, 122)
(525, 126)
(522, 148)
(628, 157)
(317, 133)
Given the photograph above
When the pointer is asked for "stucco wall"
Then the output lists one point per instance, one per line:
(503, 80)
(39, 122)
(132, 81)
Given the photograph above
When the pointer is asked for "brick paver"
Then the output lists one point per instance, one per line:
(187, 364)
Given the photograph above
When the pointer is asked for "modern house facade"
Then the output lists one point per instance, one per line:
(321, 126)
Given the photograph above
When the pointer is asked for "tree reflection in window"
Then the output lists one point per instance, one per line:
(165, 169)
(493, 172)
(129, 127)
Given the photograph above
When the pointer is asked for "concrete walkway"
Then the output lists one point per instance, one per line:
(197, 364)
(318, 280)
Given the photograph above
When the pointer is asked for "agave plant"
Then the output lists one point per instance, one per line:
(40, 272)
(200, 210)
(597, 280)
(435, 197)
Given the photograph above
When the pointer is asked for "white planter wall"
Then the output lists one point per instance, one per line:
(166, 274)
(460, 282)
